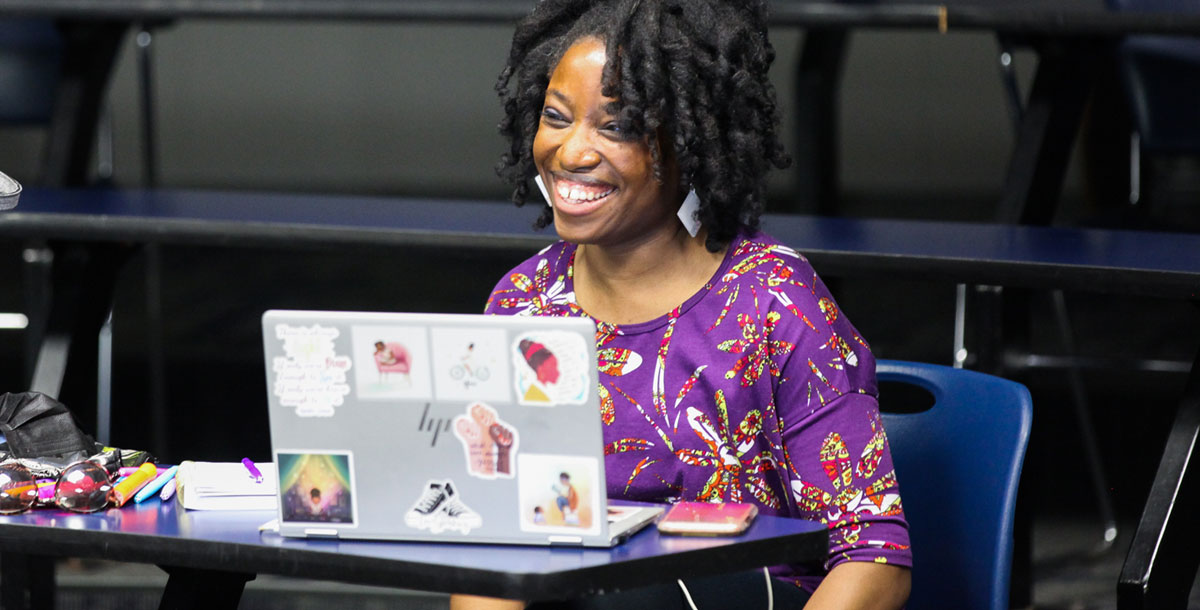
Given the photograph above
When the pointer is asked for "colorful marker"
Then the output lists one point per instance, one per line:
(153, 486)
(123, 491)
(255, 473)
(168, 491)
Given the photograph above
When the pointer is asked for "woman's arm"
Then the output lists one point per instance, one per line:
(471, 602)
(862, 585)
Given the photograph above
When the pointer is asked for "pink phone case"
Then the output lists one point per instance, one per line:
(706, 519)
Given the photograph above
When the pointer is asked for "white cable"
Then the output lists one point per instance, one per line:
(687, 594)
(770, 593)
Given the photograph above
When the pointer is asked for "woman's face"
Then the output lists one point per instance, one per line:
(600, 179)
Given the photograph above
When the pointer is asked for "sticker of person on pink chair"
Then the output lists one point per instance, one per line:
(392, 357)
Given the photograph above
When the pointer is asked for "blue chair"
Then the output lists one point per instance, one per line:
(958, 463)
(1153, 72)
(30, 54)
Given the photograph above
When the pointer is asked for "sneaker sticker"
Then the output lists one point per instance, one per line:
(489, 443)
(311, 375)
(440, 508)
(551, 368)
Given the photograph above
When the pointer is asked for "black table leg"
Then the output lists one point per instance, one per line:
(818, 76)
(88, 58)
(1162, 562)
(189, 588)
(1061, 87)
(27, 582)
(82, 280)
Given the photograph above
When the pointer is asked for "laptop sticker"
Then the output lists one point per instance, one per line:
(470, 364)
(441, 508)
(395, 362)
(489, 443)
(559, 494)
(551, 368)
(317, 487)
(311, 375)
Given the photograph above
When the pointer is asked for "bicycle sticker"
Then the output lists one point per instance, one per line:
(469, 364)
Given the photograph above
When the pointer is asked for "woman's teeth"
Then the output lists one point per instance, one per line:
(579, 194)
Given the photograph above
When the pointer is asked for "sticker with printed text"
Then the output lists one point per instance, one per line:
(311, 375)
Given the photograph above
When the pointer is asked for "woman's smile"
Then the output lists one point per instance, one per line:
(576, 196)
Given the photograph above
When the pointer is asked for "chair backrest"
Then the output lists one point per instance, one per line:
(958, 464)
(1152, 69)
(30, 54)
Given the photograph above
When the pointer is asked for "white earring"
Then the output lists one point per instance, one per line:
(687, 213)
(542, 187)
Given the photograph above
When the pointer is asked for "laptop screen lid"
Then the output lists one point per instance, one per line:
(442, 427)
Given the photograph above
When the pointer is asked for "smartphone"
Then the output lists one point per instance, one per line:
(707, 519)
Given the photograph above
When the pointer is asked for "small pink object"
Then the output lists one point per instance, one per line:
(46, 490)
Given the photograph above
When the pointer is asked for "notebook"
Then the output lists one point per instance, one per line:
(439, 427)
(224, 486)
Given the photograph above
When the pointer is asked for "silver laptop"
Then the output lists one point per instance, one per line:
(439, 427)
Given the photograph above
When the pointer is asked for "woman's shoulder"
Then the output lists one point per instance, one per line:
(797, 311)
(537, 285)
(758, 259)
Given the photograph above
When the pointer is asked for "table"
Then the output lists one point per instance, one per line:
(211, 554)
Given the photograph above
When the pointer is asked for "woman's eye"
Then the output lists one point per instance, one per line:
(615, 131)
(552, 115)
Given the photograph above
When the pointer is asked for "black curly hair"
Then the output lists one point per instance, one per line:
(691, 72)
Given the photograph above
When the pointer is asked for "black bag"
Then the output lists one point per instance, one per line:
(37, 426)
(41, 434)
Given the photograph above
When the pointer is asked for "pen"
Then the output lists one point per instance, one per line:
(255, 473)
(152, 487)
(168, 491)
(123, 491)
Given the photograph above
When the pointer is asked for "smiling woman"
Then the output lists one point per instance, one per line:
(599, 176)
(727, 371)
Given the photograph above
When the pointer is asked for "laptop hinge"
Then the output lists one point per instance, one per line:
(320, 532)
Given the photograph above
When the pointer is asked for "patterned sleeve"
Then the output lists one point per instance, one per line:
(839, 467)
(842, 476)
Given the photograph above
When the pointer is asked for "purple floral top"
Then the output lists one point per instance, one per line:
(756, 389)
